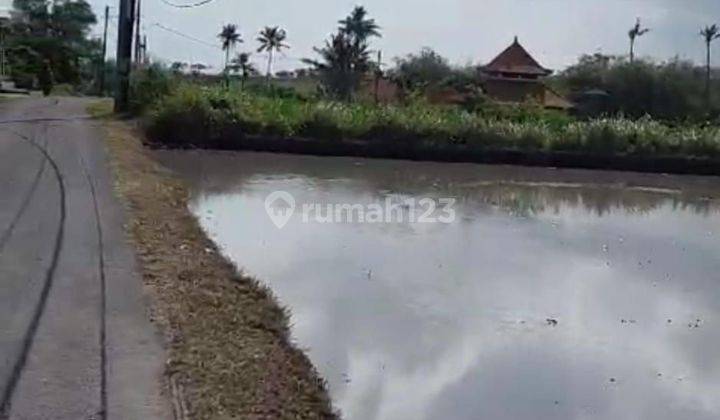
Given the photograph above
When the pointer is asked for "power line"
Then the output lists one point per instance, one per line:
(178, 33)
(281, 56)
(188, 6)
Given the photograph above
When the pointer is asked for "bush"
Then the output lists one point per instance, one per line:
(183, 118)
(670, 91)
(148, 86)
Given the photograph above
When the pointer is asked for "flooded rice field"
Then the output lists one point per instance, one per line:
(549, 294)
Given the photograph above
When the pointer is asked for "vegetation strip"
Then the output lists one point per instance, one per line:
(215, 117)
(228, 339)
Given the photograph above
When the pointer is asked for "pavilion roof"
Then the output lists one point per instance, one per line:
(516, 60)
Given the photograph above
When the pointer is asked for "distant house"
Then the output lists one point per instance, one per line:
(381, 90)
(515, 76)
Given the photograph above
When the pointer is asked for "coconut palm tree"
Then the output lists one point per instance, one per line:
(242, 63)
(272, 39)
(230, 37)
(358, 26)
(634, 33)
(342, 65)
(710, 34)
(345, 58)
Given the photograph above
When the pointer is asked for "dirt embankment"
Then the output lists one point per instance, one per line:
(453, 153)
(228, 339)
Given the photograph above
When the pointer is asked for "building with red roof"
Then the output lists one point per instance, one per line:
(514, 76)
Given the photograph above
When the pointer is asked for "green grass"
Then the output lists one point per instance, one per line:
(101, 108)
(192, 115)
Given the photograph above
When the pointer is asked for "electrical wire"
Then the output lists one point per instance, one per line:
(187, 6)
(178, 33)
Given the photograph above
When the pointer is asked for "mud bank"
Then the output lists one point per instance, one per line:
(413, 150)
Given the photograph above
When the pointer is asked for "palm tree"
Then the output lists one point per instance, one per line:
(358, 26)
(230, 37)
(272, 39)
(342, 64)
(242, 63)
(345, 58)
(634, 33)
(710, 34)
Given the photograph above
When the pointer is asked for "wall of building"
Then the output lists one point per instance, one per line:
(506, 90)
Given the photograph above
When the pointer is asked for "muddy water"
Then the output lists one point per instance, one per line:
(555, 294)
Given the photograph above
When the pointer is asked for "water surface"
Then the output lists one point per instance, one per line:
(555, 294)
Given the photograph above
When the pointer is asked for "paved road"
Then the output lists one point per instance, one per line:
(75, 341)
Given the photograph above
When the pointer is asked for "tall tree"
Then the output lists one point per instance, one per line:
(342, 64)
(242, 64)
(358, 26)
(634, 33)
(418, 71)
(271, 39)
(710, 34)
(71, 19)
(345, 57)
(31, 17)
(230, 37)
(53, 34)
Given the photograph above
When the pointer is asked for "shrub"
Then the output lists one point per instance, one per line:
(148, 86)
(184, 118)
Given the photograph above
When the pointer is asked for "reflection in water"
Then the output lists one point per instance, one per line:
(555, 295)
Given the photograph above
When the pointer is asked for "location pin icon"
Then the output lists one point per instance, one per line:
(280, 206)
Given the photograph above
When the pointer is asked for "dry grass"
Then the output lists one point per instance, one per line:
(227, 338)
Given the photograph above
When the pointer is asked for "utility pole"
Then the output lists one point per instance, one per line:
(2, 54)
(138, 43)
(124, 54)
(4, 66)
(378, 74)
(144, 50)
(101, 76)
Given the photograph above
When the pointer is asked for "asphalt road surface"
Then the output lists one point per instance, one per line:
(75, 340)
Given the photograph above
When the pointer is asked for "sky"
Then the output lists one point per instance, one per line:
(556, 32)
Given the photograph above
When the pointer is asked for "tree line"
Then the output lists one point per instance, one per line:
(675, 89)
(344, 59)
(271, 40)
(49, 42)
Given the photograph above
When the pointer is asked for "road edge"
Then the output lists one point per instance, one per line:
(227, 338)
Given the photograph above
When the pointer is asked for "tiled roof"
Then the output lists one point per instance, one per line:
(555, 100)
(515, 59)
